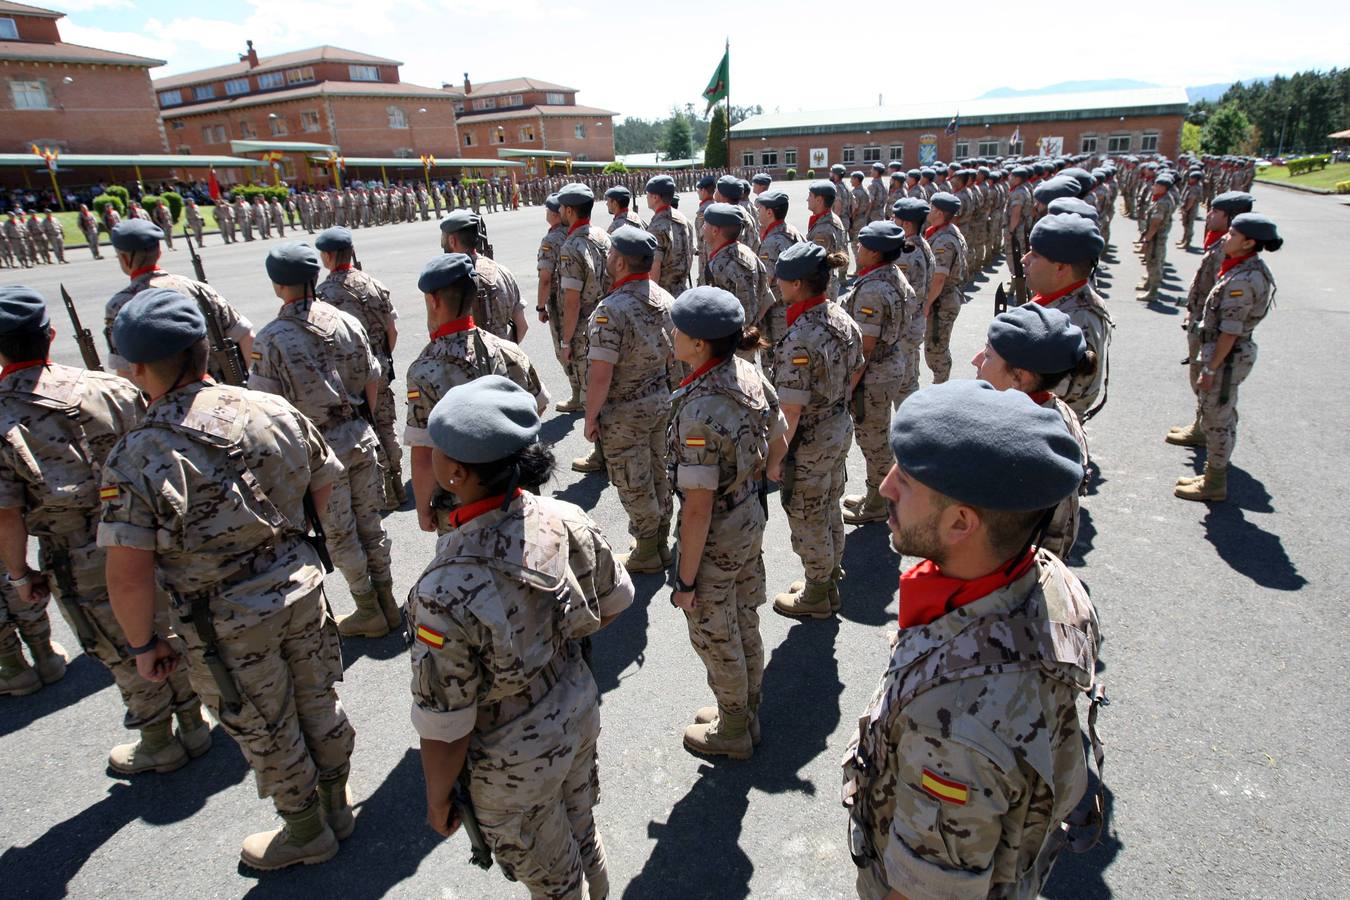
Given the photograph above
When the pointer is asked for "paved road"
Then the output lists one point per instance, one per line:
(1225, 633)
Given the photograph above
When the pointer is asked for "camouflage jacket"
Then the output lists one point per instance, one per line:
(675, 243)
(950, 258)
(498, 297)
(734, 267)
(883, 304)
(1205, 275)
(367, 300)
(815, 361)
(773, 241)
(631, 330)
(581, 267)
(1086, 309)
(232, 323)
(1239, 300)
(720, 427)
(546, 260)
(625, 217)
(1062, 532)
(917, 264)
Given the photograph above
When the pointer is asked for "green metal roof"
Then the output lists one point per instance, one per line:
(284, 146)
(154, 160)
(404, 162)
(513, 152)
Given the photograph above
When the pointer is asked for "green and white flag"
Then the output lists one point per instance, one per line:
(720, 83)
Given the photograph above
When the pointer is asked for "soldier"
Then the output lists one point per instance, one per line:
(887, 311)
(547, 298)
(262, 218)
(731, 191)
(319, 358)
(6, 252)
(1190, 207)
(825, 229)
(842, 202)
(38, 240)
(674, 235)
(706, 187)
(458, 352)
(726, 435)
(183, 505)
(499, 685)
(1063, 252)
(759, 183)
(859, 202)
(876, 194)
(88, 225)
(1034, 350)
(584, 278)
(195, 220)
(733, 267)
(946, 292)
(225, 219)
(422, 201)
(361, 296)
(816, 365)
(437, 201)
(628, 372)
(16, 233)
(618, 199)
(136, 242)
(60, 424)
(1240, 299)
(55, 235)
(894, 191)
(1017, 214)
(775, 236)
(916, 262)
(499, 309)
(932, 811)
(243, 217)
(277, 215)
(161, 217)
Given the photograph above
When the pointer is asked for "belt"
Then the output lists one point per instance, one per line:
(727, 502)
(659, 385)
(498, 712)
(811, 421)
(270, 548)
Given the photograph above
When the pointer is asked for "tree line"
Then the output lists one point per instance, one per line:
(677, 135)
(1283, 115)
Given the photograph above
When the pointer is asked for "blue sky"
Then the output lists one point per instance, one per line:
(638, 57)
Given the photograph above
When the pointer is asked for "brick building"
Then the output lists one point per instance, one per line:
(528, 114)
(69, 97)
(323, 95)
(1106, 122)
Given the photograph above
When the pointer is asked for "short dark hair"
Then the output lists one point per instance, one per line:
(532, 466)
(583, 208)
(461, 295)
(1007, 531)
(189, 363)
(640, 263)
(26, 345)
(1086, 366)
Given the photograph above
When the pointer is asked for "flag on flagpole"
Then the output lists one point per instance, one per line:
(953, 126)
(1016, 136)
(720, 83)
(213, 186)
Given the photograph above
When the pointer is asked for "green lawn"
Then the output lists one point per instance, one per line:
(75, 237)
(1325, 179)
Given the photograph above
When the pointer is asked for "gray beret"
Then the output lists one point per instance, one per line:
(459, 220)
(926, 172)
(1055, 188)
(1258, 228)
(913, 173)
(1037, 339)
(708, 313)
(707, 183)
(986, 448)
(824, 189)
(1067, 238)
(878, 167)
(1233, 202)
(881, 236)
(722, 215)
(762, 178)
(334, 240)
(773, 199)
(662, 186)
(911, 209)
(947, 202)
(156, 323)
(1082, 176)
(838, 169)
(443, 271)
(1165, 179)
(293, 263)
(1021, 171)
(22, 309)
(729, 187)
(575, 194)
(629, 240)
(484, 420)
(551, 202)
(857, 173)
(132, 235)
(1073, 205)
(619, 192)
(798, 261)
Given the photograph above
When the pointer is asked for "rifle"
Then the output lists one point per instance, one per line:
(461, 805)
(356, 263)
(196, 260)
(82, 335)
(315, 536)
(1000, 300)
(1019, 275)
(225, 353)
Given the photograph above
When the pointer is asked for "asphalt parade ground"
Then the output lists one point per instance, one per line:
(1225, 643)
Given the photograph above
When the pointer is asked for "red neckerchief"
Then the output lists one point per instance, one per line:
(1228, 264)
(796, 309)
(1212, 236)
(660, 209)
(1047, 299)
(453, 326)
(462, 516)
(929, 232)
(636, 276)
(342, 268)
(704, 204)
(145, 270)
(704, 369)
(1040, 398)
(579, 224)
(926, 594)
(866, 271)
(20, 366)
(718, 249)
(811, 222)
(765, 233)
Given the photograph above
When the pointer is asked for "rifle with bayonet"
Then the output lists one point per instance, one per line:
(1019, 275)
(196, 260)
(82, 335)
(314, 535)
(461, 806)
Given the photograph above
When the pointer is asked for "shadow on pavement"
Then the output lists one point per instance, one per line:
(871, 573)
(624, 641)
(800, 712)
(1087, 535)
(556, 427)
(585, 491)
(1079, 876)
(381, 648)
(85, 677)
(1247, 548)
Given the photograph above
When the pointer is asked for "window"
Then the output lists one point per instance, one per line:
(1118, 143)
(246, 131)
(309, 120)
(515, 100)
(526, 133)
(898, 152)
(363, 73)
(177, 124)
(459, 107)
(1088, 144)
(579, 130)
(1014, 148)
(497, 135)
(850, 155)
(1149, 142)
(871, 154)
(236, 86)
(270, 80)
(989, 148)
(214, 134)
(485, 103)
(288, 168)
(553, 98)
(397, 117)
(468, 139)
(962, 149)
(8, 30)
(748, 158)
(768, 158)
(169, 98)
(278, 126)
(790, 157)
(300, 76)
(204, 92)
(29, 94)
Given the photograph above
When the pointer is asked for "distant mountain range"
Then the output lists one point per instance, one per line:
(1210, 92)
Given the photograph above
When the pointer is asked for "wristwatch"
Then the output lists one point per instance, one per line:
(23, 579)
(1206, 370)
(144, 648)
(683, 588)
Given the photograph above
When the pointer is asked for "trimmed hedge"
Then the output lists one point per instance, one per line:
(615, 168)
(118, 191)
(1307, 164)
(1343, 187)
(249, 191)
(810, 173)
(103, 200)
(791, 174)
(175, 203)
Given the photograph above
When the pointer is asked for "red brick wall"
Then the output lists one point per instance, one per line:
(106, 109)
(322, 72)
(598, 144)
(35, 28)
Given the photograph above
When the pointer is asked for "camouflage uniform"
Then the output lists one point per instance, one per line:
(17, 236)
(813, 364)
(720, 427)
(876, 200)
(916, 264)
(37, 239)
(826, 230)
(232, 323)
(498, 298)
(1155, 251)
(625, 217)
(950, 259)
(225, 219)
(1205, 275)
(733, 267)
(1086, 309)
(1062, 532)
(859, 203)
(1190, 208)
(773, 241)
(970, 755)
(547, 261)
(581, 267)
(187, 486)
(318, 358)
(195, 222)
(495, 619)
(701, 244)
(56, 237)
(632, 331)
(675, 248)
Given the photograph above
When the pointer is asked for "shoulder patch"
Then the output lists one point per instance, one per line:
(800, 360)
(255, 354)
(433, 638)
(414, 394)
(867, 310)
(602, 320)
(933, 784)
(108, 494)
(1236, 293)
(695, 442)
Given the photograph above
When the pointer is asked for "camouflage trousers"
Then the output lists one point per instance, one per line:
(1155, 257)
(1218, 413)
(872, 432)
(633, 439)
(290, 725)
(910, 382)
(1187, 229)
(19, 619)
(724, 627)
(59, 248)
(814, 518)
(386, 417)
(354, 523)
(937, 344)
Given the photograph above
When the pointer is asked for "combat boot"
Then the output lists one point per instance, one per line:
(367, 621)
(727, 735)
(305, 838)
(336, 801)
(571, 405)
(1191, 435)
(707, 714)
(1191, 479)
(811, 602)
(644, 558)
(871, 509)
(157, 751)
(400, 490)
(594, 462)
(194, 732)
(384, 594)
(853, 501)
(1213, 487)
(391, 501)
(663, 545)
(836, 599)
(17, 678)
(49, 660)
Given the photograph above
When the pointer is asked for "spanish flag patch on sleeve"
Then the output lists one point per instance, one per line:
(944, 789)
(433, 638)
(108, 494)
(255, 354)
(800, 360)
(414, 394)
(867, 311)
(602, 320)
(1236, 293)
(695, 442)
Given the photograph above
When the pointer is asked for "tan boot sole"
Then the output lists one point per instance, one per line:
(856, 517)
(158, 769)
(1175, 439)
(741, 755)
(647, 567)
(22, 692)
(568, 407)
(1183, 491)
(313, 860)
(825, 613)
(365, 633)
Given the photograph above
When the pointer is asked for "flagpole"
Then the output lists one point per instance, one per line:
(728, 59)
